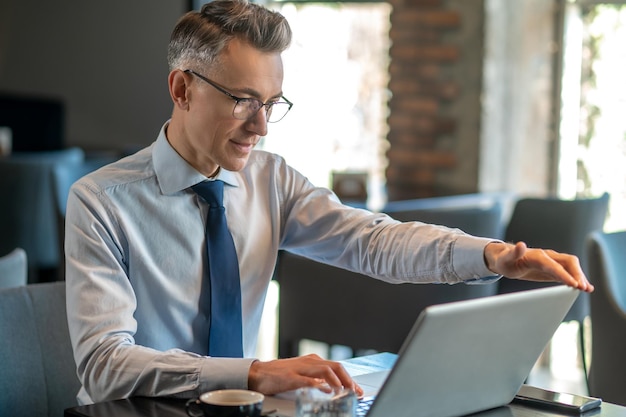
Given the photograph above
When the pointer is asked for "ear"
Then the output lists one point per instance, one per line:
(178, 82)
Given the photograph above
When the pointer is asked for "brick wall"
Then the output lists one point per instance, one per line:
(435, 104)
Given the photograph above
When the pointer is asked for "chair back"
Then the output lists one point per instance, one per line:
(562, 225)
(27, 213)
(482, 199)
(13, 269)
(38, 376)
(484, 221)
(607, 271)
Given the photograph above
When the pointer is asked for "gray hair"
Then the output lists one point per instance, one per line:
(200, 37)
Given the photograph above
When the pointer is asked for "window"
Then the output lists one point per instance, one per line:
(336, 75)
(593, 127)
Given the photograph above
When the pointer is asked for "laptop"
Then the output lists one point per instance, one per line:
(462, 357)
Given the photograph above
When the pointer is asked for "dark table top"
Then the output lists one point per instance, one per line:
(163, 407)
(167, 407)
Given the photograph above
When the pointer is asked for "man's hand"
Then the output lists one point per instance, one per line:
(283, 375)
(520, 262)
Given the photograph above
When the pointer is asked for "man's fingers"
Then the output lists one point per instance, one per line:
(568, 269)
(549, 265)
(306, 371)
(335, 376)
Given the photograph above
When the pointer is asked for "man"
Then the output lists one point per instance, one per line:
(140, 316)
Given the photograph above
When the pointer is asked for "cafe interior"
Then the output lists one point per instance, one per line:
(489, 116)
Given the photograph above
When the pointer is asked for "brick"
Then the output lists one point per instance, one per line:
(422, 3)
(402, 139)
(421, 125)
(410, 34)
(405, 123)
(440, 19)
(414, 104)
(421, 158)
(400, 175)
(417, 53)
(422, 71)
(408, 85)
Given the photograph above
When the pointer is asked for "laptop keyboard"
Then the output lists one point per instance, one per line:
(363, 406)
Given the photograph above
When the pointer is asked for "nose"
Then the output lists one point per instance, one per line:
(258, 123)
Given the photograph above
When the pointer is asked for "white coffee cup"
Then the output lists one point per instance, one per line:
(226, 403)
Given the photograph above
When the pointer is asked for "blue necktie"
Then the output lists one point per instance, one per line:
(225, 338)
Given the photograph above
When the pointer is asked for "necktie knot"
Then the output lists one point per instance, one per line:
(211, 191)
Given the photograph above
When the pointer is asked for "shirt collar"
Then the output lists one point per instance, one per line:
(174, 174)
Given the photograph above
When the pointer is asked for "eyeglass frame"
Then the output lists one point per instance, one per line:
(268, 106)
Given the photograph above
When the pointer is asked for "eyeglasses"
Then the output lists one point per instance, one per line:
(246, 108)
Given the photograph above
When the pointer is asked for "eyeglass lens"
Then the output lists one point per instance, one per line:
(247, 108)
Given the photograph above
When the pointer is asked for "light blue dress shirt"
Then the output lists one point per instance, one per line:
(135, 257)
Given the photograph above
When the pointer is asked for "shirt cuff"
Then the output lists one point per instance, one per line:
(224, 373)
(468, 260)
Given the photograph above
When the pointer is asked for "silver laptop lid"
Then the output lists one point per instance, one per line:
(471, 356)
